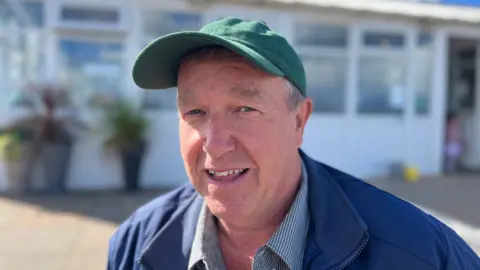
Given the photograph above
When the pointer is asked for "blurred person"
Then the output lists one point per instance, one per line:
(255, 200)
(453, 149)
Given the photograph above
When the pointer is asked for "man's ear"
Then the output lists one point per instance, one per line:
(303, 113)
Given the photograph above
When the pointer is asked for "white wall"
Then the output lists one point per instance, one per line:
(92, 168)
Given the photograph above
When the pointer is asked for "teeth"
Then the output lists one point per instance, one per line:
(225, 173)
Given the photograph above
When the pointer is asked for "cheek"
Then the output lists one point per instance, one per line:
(269, 143)
(262, 141)
(190, 145)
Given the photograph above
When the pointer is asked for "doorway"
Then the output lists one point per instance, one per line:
(462, 132)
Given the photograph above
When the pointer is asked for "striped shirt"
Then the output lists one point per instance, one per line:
(283, 251)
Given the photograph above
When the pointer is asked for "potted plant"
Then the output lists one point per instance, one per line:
(16, 153)
(46, 134)
(126, 128)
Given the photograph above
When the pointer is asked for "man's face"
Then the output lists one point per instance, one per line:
(239, 139)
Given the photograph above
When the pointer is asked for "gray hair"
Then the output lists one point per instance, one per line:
(294, 96)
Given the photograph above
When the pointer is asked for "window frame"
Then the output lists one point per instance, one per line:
(430, 80)
(387, 52)
(319, 51)
(85, 103)
(120, 25)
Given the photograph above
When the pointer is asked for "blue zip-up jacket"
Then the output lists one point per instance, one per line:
(353, 225)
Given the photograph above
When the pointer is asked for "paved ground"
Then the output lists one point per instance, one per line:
(59, 233)
(71, 232)
(452, 199)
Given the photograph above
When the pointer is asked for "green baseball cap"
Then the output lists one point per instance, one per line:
(156, 66)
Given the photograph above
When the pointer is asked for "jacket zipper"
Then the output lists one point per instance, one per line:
(143, 265)
(355, 255)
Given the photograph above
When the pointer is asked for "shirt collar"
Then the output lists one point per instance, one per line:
(197, 254)
(288, 242)
(205, 246)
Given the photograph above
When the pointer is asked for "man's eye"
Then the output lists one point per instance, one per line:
(194, 112)
(246, 109)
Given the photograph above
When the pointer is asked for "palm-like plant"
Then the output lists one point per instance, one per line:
(50, 117)
(126, 127)
(50, 126)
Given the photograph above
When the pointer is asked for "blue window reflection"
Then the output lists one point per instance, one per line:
(79, 52)
(92, 67)
(385, 40)
(158, 23)
(321, 35)
(35, 11)
(89, 14)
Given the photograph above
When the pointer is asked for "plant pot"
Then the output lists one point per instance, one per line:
(132, 159)
(19, 171)
(55, 158)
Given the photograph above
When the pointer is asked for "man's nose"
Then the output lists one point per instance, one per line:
(218, 138)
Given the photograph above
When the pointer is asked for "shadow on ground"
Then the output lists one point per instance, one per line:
(110, 206)
(455, 196)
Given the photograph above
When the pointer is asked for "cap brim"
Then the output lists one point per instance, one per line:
(157, 65)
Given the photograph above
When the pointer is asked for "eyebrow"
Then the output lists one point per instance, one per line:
(250, 93)
(185, 99)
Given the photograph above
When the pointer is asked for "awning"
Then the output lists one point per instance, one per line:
(435, 12)
(427, 11)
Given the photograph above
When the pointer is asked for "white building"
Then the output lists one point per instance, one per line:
(379, 73)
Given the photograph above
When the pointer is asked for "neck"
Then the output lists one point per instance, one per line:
(246, 240)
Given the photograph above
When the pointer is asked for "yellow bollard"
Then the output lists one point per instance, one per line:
(411, 174)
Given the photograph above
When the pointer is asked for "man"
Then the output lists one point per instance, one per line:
(256, 201)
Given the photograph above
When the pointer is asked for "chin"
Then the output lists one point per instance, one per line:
(228, 210)
(216, 206)
(220, 209)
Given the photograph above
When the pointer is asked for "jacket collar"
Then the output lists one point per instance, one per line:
(336, 229)
(170, 247)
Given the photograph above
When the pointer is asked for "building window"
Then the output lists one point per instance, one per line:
(323, 49)
(326, 82)
(381, 85)
(383, 40)
(423, 73)
(156, 24)
(90, 15)
(159, 23)
(93, 69)
(4, 78)
(320, 35)
(6, 14)
(21, 13)
(35, 12)
(381, 73)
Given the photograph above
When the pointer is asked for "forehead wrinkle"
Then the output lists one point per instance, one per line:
(244, 89)
(250, 92)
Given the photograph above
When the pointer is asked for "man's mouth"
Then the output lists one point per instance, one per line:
(226, 175)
